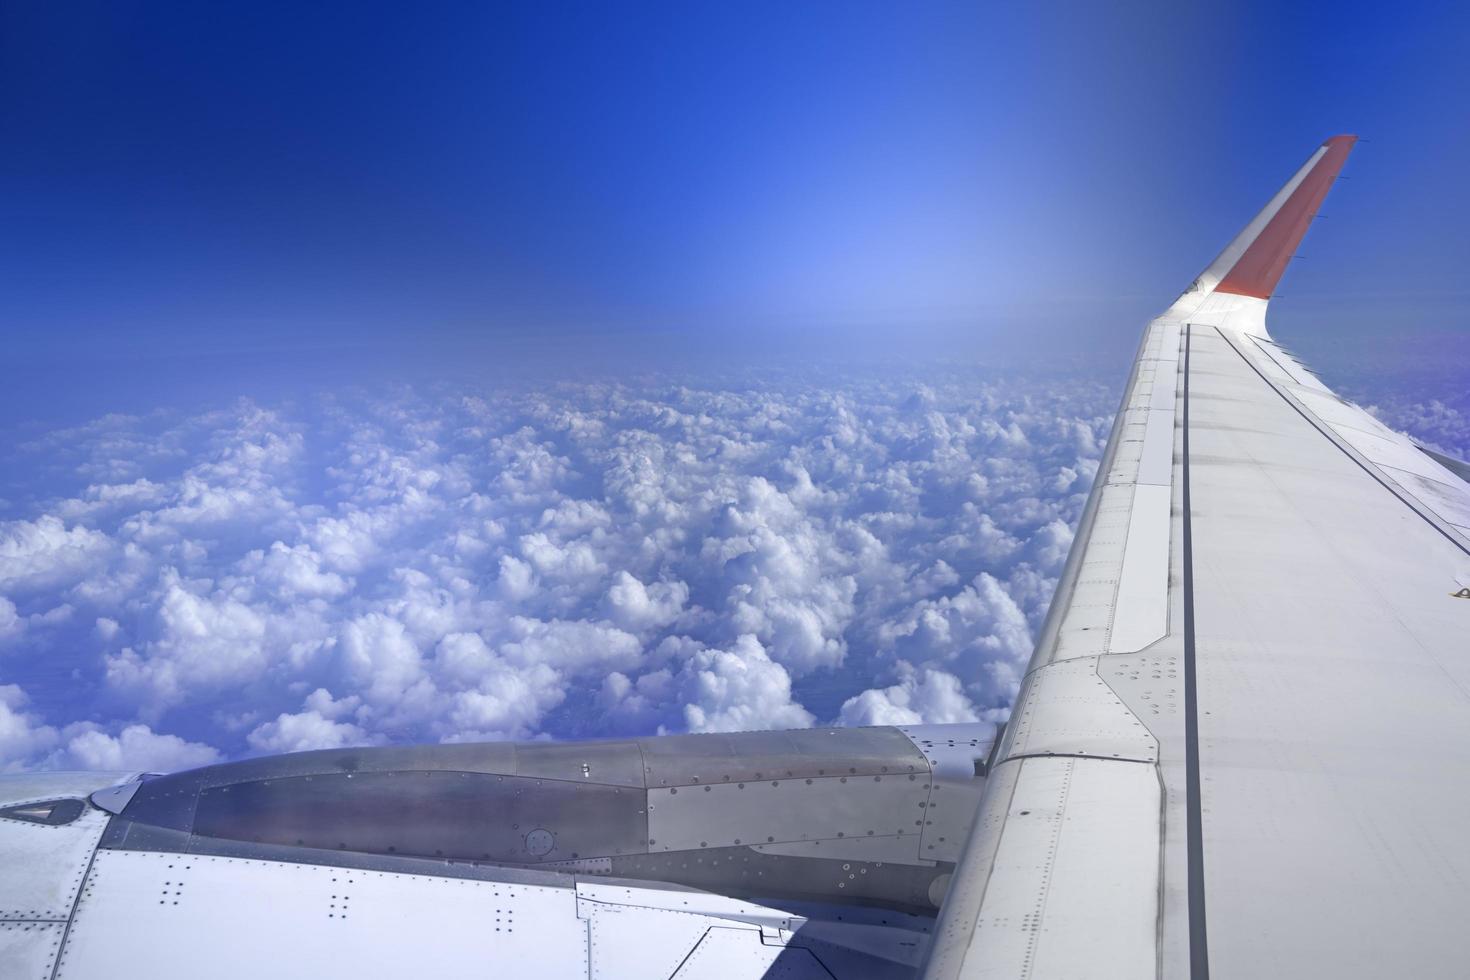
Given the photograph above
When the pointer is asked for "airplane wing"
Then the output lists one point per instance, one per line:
(1243, 741)
(819, 854)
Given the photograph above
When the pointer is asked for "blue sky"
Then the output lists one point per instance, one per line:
(273, 185)
(384, 373)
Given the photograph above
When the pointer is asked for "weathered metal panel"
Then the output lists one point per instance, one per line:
(1079, 860)
(726, 952)
(498, 757)
(354, 810)
(1066, 708)
(634, 941)
(28, 949)
(679, 760)
(958, 756)
(41, 866)
(857, 870)
(770, 810)
(1141, 609)
(649, 932)
(886, 847)
(172, 916)
(613, 763)
(469, 816)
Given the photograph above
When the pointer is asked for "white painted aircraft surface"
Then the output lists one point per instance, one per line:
(1241, 747)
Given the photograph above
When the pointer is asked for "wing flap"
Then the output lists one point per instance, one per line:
(1079, 854)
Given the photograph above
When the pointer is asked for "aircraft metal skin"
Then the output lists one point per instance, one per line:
(813, 853)
(1240, 747)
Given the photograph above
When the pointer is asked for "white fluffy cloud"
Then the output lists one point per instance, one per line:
(25, 742)
(581, 560)
(47, 554)
(978, 631)
(23, 737)
(202, 641)
(294, 572)
(11, 624)
(739, 689)
(636, 606)
(137, 747)
(929, 696)
(304, 730)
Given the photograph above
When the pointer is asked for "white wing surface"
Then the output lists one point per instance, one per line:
(1244, 739)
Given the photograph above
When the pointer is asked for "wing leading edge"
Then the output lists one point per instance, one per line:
(1239, 743)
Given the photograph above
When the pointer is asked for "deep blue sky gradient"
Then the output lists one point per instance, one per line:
(202, 200)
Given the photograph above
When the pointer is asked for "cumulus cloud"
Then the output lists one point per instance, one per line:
(293, 572)
(1442, 426)
(23, 737)
(318, 726)
(497, 698)
(928, 696)
(978, 631)
(636, 606)
(202, 641)
(27, 742)
(739, 689)
(47, 554)
(137, 747)
(379, 659)
(11, 624)
(579, 560)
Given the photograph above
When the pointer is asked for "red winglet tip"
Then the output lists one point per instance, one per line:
(1260, 267)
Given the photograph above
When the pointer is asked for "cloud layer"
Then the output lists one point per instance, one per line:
(590, 559)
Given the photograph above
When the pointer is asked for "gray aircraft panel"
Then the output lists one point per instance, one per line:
(750, 756)
(609, 763)
(474, 816)
(569, 807)
(769, 810)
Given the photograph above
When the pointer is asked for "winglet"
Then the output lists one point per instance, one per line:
(1253, 263)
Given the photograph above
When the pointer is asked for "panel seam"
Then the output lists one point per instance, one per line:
(72, 916)
(1403, 497)
(1080, 755)
(1199, 961)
